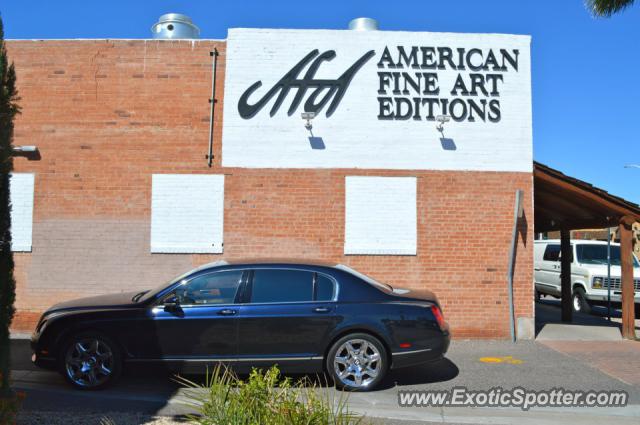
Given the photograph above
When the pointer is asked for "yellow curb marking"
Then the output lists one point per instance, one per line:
(505, 359)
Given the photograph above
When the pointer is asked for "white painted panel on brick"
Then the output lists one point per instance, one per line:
(386, 116)
(187, 212)
(380, 215)
(21, 188)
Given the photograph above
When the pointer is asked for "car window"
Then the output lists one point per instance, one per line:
(371, 281)
(552, 253)
(324, 288)
(280, 286)
(209, 289)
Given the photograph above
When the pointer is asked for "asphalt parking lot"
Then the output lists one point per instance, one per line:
(529, 364)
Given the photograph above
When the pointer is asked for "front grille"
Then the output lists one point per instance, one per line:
(616, 283)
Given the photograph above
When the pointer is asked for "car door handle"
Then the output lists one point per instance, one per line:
(321, 310)
(227, 312)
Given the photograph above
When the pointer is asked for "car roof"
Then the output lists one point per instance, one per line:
(267, 262)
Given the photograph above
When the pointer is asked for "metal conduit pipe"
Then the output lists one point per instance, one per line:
(212, 102)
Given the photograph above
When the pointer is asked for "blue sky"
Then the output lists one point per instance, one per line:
(585, 71)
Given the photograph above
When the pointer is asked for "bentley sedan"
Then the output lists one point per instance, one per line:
(305, 318)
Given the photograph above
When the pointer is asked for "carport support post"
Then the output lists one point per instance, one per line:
(626, 255)
(565, 274)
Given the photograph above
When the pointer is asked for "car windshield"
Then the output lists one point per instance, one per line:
(371, 281)
(597, 254)
(150, 294)
(156, 291)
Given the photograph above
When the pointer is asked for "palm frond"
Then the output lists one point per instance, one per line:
(606, 8)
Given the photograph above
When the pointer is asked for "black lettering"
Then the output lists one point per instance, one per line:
(416, 108)
(430, 102)
(477, 81)
(386, 110)
(400, 115)
(492, 61)
(409, 60)
(470, 64)
(383, 78)
(445, 56)
(443, 106)
(461, 66)
(494, 110)
(415, 85)
(493, 80)
(396, 83)
(459, 85)
(386, 57)
(481, 111)
(452, 110)
(431, 83)
(513, 60)
(428, 59)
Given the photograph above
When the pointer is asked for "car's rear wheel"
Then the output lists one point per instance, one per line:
(579, 301)
(357, 362)
(90, 361)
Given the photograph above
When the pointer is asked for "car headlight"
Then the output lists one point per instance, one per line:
(597, 283)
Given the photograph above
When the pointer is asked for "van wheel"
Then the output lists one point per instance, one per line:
(90, 361)
(579, 301)
(357, 362)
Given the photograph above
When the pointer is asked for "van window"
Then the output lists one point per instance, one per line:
(552, 253)
(597, 254)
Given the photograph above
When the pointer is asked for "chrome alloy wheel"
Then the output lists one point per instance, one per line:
(89, 362)
(357, 363)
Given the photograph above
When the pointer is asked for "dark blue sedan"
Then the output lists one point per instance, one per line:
(302, 317)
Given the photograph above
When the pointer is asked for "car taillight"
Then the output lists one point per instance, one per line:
(437, 313)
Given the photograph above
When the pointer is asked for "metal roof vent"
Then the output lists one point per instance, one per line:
(175, 26)
(363, 24)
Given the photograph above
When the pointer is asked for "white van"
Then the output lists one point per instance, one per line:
(588, 273)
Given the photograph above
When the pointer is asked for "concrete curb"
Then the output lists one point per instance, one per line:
(19, 335)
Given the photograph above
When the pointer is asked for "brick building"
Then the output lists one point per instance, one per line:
(122, 197)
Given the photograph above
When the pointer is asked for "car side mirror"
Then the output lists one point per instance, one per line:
(172, 304)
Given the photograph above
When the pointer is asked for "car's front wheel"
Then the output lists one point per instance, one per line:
(579, 301)
(90, 361)
(357, 362)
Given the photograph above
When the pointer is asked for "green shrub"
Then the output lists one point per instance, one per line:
(263, 399)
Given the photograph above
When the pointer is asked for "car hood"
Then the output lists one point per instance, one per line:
(122, 299)
(601, 270)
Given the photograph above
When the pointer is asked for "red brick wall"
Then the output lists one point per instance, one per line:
(106, 115)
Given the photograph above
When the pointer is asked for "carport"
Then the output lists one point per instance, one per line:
(564, 203)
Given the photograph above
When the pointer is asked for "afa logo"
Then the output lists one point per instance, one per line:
(324, 90)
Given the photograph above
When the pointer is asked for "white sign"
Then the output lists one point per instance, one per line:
(21, 195)
(380, 215)
(187, 213)
(378, 99)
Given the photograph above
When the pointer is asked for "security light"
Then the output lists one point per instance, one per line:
(25, 149)
(441, 119)
(308, 116)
